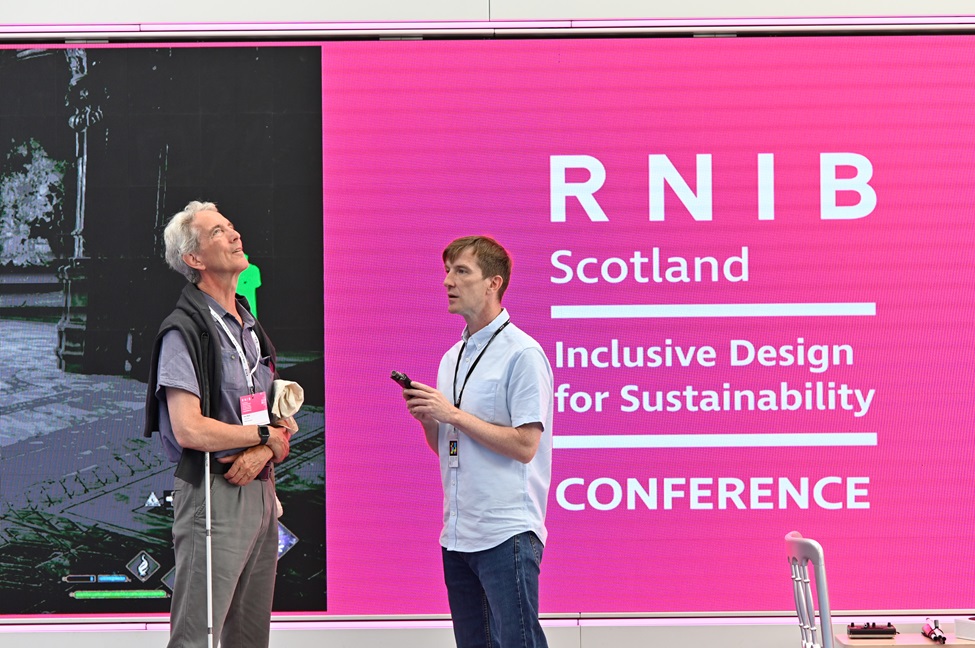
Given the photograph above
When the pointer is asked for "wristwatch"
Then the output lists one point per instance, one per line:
(265, 434)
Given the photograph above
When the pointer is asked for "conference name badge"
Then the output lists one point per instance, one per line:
(453, 460)
(253, 409)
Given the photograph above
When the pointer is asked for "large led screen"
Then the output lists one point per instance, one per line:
(749, 261)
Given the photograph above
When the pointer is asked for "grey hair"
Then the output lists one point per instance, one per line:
(182, 238)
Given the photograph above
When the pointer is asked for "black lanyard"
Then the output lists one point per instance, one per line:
(476, 360)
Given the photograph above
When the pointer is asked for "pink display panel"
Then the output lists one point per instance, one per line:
(749, 263)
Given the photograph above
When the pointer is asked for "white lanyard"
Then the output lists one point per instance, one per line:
(248, 372)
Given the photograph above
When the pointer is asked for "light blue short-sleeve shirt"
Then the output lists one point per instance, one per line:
(488, 498)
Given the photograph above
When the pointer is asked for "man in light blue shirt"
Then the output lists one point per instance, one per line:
(490, 422)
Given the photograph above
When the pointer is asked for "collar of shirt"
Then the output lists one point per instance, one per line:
(245, 316)
(479, 339)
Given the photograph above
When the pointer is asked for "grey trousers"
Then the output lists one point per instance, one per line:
(244, 543)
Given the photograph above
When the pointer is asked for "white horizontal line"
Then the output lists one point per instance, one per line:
(619, 23)
(614, 311)
(788, 440)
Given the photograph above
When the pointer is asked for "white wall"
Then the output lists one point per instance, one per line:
(53, 12)
(42, 18)
(561, 633)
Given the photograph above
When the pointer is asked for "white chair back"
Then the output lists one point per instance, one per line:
(803, 551)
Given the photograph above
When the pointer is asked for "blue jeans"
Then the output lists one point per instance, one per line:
(493, 594)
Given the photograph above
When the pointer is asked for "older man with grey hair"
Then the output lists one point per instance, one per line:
(211, 372)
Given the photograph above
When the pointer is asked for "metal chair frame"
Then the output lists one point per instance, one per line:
(803, 551)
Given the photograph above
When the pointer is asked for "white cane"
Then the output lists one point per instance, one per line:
(206, 486)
